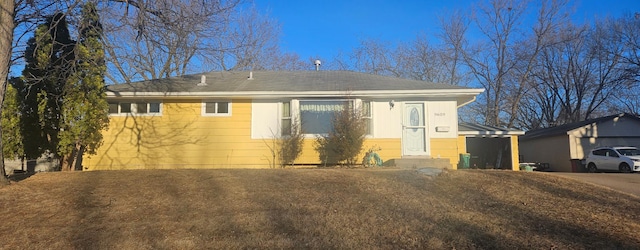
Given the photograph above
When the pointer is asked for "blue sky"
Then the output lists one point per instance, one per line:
(323, 28)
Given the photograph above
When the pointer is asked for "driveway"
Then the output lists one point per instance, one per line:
(628, 183)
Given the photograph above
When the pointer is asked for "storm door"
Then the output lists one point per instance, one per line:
(414, 136)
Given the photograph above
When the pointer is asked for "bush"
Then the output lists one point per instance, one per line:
(344, 143)
(290, 146)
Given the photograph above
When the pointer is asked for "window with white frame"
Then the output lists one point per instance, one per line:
(286, 118)
(316, 115)
(366, 116)
(138, 107)
(216, 108)
(147, 107)
(114, 108)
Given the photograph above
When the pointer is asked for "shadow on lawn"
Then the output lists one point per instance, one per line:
(20, 176)
(456, 224)
(84, 234)
(443, 226)
(558, 229)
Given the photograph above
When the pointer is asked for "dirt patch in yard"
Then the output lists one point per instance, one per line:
(313, 208)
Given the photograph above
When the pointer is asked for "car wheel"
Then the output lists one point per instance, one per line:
(592, 168)
(624, 167)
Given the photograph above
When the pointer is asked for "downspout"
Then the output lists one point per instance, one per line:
(465, 103)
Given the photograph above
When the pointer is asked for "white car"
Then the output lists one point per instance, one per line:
(623, 159)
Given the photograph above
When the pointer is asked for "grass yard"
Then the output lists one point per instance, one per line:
(314, 208)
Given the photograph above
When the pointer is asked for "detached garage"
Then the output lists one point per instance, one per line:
(490, 147)
(564, 147)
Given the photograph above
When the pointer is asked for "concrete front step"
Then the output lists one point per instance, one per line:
(421, 162)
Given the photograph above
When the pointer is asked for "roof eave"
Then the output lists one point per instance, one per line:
(291, 94)
(491, 133)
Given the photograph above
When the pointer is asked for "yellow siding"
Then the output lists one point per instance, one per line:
(446, 148)
(515, 161)
(183, 138)
(389, 149)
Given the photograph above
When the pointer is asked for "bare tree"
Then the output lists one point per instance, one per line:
(341, 61)
(491, 58)
(627, 30)
(250, 42)
(577, 76)
(627, 101)
(163, 38)
(502, 58)
(610, 73)
(550, 18)
(454, 30)
(176, 37)
(375, 57)
(421, 60)
(417, 59)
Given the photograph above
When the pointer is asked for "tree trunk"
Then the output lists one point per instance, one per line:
(71, 161)
(77, 165)
(66, 162)
(7, 12)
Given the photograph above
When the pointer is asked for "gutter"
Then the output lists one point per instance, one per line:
(470, 101)
(284, 94)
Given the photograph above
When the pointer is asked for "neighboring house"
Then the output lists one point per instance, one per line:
(228, 119)
(563, 147)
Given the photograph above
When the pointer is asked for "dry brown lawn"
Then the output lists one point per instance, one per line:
(314, 208)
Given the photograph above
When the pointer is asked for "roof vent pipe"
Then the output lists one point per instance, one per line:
(203, 81)
(250, 75)
(317, 63)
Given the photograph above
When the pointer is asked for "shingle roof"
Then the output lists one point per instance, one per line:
(563, 129)
(238, 81)
(465, 128)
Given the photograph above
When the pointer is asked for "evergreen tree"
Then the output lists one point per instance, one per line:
(84, 107)
(48, 56)
(12, 147)
(61, 95)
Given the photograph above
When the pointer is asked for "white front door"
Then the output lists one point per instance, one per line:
(414, 136)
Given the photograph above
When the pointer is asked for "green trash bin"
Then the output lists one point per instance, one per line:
(464, 161)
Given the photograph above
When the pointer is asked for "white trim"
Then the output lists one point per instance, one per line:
(305, 94)
(203, 108)
(295, 110)
(490, 133)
